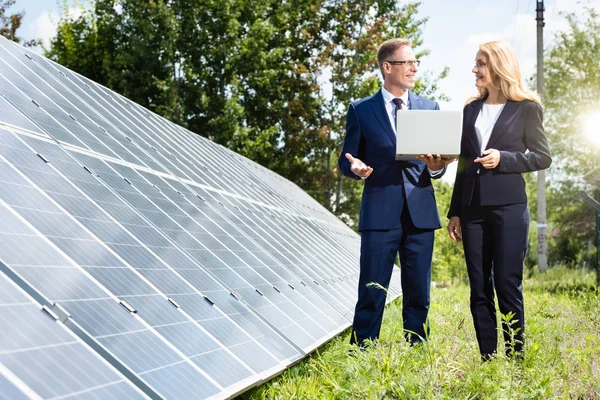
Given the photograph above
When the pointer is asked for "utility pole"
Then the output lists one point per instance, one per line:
(541, 175)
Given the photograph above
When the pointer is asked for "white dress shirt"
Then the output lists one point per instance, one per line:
(390, 107)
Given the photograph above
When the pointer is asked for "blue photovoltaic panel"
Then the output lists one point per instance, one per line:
(225, 262)
(96, 259)
(134, 240)
(39, 356)
(187, 270)
(32, 225)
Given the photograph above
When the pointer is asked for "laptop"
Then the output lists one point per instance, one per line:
(428, 132)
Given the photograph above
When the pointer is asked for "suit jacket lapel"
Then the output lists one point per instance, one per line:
(414, 101)
(378, 107)
(506, 116)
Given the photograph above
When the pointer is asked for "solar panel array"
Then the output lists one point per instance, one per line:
(140, 260)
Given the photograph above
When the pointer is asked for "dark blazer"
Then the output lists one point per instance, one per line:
(519, 128)
(371, 138)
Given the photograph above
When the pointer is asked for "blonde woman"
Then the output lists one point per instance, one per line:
(503, 137)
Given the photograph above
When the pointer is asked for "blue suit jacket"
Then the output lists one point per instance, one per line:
(371, 138)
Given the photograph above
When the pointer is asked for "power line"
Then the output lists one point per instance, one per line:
(512, 30)
(518, 46)
(551, 19)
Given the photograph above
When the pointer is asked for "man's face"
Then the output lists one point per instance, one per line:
(401, 76)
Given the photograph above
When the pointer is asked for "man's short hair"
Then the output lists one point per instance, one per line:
(388, 48)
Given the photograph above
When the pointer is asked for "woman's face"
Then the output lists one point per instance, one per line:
(483, 74)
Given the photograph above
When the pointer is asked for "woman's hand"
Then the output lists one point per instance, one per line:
(491, 159)
(454, 229)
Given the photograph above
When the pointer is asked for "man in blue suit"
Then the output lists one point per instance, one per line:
(398, 213)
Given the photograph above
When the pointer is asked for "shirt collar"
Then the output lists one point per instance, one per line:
(388, 97)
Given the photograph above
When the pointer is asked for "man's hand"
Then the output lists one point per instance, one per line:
(454, 229)
(491, 159)
(435, 162)
(359, 167)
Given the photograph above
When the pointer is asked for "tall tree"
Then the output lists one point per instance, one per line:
(9, 24)
(572, 76)
(127, 45)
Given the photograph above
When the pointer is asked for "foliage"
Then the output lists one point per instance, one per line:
(562, 353)
(531, 256)
(564, 279)
(127, 48)
(247, 74)
(572, 82)
(448, 263)
(574, 221)
(9, 24)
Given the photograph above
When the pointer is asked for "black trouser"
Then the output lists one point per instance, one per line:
(495, 241)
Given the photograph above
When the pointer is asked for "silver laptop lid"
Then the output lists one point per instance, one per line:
(428, 132)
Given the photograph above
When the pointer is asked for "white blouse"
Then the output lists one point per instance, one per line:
(485, 122)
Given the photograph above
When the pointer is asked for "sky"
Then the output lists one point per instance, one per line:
(452, 34)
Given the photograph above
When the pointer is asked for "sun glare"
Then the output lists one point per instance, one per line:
(591, 128)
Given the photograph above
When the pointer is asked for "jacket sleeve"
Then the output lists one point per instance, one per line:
(351, 142)
(456, 201)
(538, 156)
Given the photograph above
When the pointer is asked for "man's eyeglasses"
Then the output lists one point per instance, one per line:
(412, 63)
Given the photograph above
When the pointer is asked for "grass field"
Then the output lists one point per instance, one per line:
(562, 353)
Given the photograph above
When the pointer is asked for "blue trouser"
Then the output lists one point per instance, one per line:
(378, 253)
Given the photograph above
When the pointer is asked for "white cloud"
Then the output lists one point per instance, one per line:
(485, 12)
(520, 34)
(44, 27)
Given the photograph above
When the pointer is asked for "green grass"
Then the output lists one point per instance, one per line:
(562, 353)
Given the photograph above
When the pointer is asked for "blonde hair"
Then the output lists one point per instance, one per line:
(504, 64)
(388, 48)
